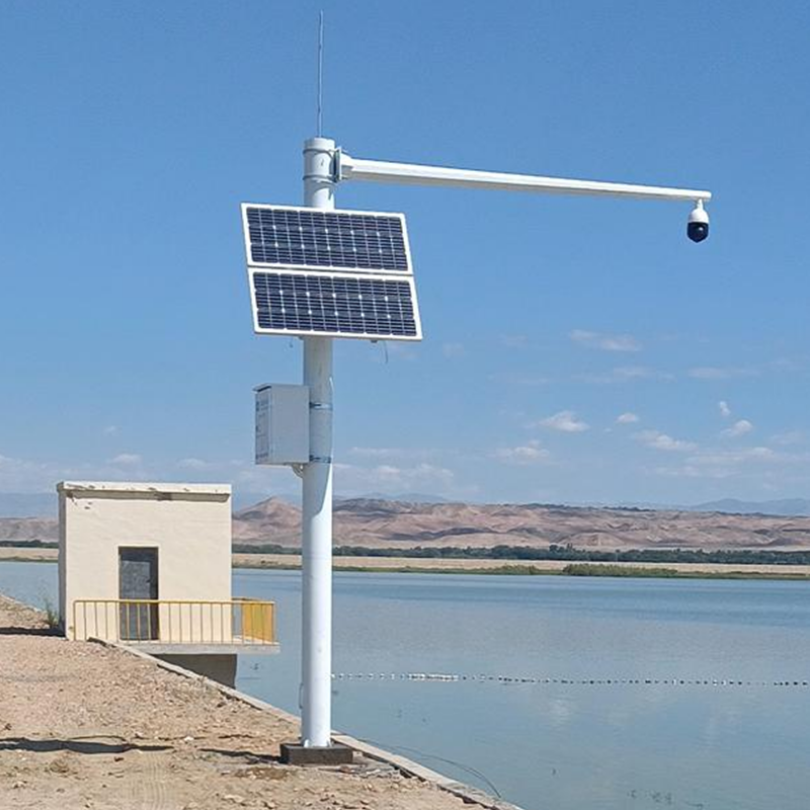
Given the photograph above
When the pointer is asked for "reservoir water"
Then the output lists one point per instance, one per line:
(567, 746)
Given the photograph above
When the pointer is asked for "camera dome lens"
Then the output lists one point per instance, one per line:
(697, 231)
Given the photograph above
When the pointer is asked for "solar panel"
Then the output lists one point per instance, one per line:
(340, 240)
(338, 305)
(330, 273)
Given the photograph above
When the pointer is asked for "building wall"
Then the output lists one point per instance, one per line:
(190, 525)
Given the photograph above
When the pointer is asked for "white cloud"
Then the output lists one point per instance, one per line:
(126, 459)
(625, 374)
(452, 350)
(395, 479)
(530, 453)
(193, 464)
(725, 411)
(392, 453)
(714, 458)
(20, 475)
(790, 437)
(750, 462)
(720, 373)
(785, 364)
(110, 430)
(24, 475)
(607, 343)
(515, 341)
(520, 378)
(627, 418)
(739, 428)
(656, 440)
(565, 422)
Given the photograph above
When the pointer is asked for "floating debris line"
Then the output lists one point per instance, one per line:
(443, 677)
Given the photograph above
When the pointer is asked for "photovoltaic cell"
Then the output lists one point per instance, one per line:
(294, 237)
(349, 306)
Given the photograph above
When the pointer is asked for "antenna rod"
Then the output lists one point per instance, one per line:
(320, 75)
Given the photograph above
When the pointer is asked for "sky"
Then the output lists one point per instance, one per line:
(576, 350)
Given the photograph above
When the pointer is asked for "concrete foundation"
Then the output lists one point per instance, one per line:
(297, 754)
(219, 668)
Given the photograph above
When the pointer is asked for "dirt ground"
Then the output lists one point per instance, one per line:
(542, 566)
(85, 726)
(29, 554)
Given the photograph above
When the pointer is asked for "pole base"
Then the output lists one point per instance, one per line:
(297, 754)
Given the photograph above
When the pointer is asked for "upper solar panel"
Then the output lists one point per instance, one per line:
(282, 236)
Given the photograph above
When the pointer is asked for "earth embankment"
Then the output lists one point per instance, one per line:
(87, 726)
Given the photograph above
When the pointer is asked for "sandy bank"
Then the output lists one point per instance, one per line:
(85, 726)
(472, 566)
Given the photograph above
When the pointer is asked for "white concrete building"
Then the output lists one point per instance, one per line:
(149, 564)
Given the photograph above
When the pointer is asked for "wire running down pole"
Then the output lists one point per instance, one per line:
(316, 513)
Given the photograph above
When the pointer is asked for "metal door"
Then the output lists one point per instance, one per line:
(138, 579)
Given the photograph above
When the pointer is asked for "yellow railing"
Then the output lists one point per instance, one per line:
(174, 621)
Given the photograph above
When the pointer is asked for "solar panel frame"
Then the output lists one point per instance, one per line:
(330, 268)
(296, 330)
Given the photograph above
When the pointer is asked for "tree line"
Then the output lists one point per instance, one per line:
(565, 553)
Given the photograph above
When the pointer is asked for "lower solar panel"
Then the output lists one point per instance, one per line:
(338, 305)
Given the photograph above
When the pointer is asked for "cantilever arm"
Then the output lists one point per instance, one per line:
(350, 168)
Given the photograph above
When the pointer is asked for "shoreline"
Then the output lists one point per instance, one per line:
(100, 724)
(411, 565)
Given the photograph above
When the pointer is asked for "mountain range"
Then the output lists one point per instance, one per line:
(378, 523)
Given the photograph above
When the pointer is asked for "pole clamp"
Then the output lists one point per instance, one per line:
(320, 406)
(320, 459)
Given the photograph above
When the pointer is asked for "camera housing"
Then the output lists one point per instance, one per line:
(697, 226)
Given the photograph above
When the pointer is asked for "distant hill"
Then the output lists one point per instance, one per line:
(787, 507)
(16, 529)
(381, 523)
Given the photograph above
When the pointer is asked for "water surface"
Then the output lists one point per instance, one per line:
(562, 746)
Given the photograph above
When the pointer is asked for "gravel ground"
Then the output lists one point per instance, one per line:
(85, 726)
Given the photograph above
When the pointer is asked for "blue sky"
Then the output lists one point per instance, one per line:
(576, 350)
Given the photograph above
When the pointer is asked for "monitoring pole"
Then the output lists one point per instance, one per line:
(316, 541)
(324, 166)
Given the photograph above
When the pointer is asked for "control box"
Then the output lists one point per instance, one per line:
(282, 424)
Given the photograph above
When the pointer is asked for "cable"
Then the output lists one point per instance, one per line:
(467, 768)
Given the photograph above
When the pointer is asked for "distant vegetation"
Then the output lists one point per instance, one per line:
(522, 553)
(554, 552)
(590, 570)
(28, 544)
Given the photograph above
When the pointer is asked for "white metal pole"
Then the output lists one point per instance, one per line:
(316, 541)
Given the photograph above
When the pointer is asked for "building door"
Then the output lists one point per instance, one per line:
(138, 579)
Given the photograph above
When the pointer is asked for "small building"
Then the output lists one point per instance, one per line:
(149, 565)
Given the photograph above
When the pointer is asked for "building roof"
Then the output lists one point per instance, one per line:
(161, 488)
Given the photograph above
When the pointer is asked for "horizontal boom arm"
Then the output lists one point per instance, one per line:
(350, 168)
